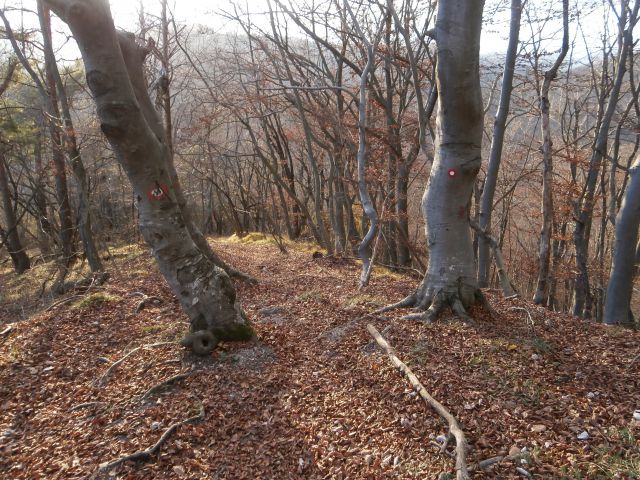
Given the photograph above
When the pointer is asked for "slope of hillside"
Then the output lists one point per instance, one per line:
(313, 397)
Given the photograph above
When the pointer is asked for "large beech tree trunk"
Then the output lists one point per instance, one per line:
(625, 256)
(450, 278)
(113, 64)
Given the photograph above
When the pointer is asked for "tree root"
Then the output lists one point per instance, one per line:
(146, 300)
(462, 471)
(202, 342)
(102, 381)
(165, 383)
(148, 453)
(408, 301)
(429, 305)
(233, 273)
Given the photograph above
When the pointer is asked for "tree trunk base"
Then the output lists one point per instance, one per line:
(429, 303)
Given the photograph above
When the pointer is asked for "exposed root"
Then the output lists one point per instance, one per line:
(165, 383)
(101, 382)
(148, 453)
(233, 273)
(460, 311)
(462, 471)
(409, 301)
(433, 312)
(202, 342)
(429, 302)
(481, 298)
(146, 300)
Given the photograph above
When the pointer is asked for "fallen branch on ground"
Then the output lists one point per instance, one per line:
(105, 376)
(146, 454)
(159, 386)
(6, 331)
(530, 318)
(63, 301)
(462, 472)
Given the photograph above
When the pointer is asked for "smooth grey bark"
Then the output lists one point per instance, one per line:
(497, 142)
(165, 130)
(625, 255)
(582, 301)
(544, 249)
(361, 157)
(450, 279)
(11, 236)
(114, 75)
(71, 146)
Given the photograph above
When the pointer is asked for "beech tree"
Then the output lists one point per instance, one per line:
(626, 254)
(113, 65)
(450, 279)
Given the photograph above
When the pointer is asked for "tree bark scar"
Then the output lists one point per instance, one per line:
(115, 118)
(99, 83)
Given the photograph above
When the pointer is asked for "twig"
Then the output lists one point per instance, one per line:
(105, 376)
(531, 322)
(156, 388)
(146, 454)
(6, 331)
(462, 472)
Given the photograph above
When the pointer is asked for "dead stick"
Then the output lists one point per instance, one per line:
(462, 472)
(147, 453)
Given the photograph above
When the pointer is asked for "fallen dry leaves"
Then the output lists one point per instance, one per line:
(313, 397)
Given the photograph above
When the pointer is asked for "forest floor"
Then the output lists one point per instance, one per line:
(314, 396)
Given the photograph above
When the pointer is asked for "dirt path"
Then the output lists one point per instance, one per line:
(313, 397)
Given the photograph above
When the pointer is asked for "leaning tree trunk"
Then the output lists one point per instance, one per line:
(617, 307)
(112, 62)
(450, 278)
